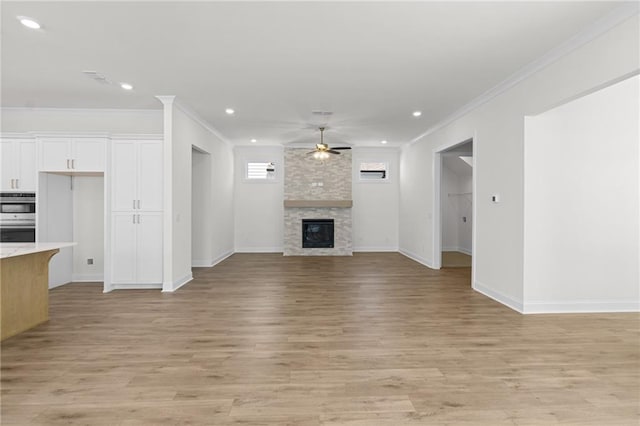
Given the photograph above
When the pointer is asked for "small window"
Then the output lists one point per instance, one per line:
(373, 171)
(261, 171)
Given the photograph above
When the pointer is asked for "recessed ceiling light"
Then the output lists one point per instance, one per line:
(229, 111)
(383, 142)
(29, 23)
(126, 86)
(417, 113)
(254, 140)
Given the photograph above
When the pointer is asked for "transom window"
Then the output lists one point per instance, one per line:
(261, 170)
(374, 171)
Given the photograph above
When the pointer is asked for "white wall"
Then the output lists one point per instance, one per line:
(450, 205)
(581, 204)
(375, 203)
(81, 120)
(259, 210)
(465, 209)
(497, 128)
(55, 223)
(187, 132)
(88, 228)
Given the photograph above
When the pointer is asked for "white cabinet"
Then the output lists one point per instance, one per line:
(18, 168)
(136, 248)
(136, 218)
(136, 176)
(73, 154)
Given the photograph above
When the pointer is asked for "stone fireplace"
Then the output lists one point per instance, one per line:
(315, 190)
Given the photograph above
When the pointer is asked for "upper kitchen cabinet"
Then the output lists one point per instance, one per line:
(18, 166)
(70, 155)
(136, 175)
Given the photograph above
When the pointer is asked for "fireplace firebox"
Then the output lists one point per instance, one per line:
(317, 233)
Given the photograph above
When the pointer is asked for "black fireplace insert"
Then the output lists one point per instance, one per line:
(317, 233)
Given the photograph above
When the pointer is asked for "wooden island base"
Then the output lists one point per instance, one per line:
(24, 292)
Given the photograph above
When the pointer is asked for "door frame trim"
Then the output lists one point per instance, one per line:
(437, 201)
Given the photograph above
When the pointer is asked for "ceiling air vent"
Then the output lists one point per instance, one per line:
(321, 113)
(96, 76)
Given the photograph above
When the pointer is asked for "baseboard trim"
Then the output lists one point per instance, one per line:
(416, 258)
(136, 286)
(498, 297)
(458, 249)
(178, 283)
(581, 306)
(376, 249)
(259, 250)
(210, 263)
(84, 278)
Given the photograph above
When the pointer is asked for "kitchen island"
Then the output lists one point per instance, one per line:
(24, 285)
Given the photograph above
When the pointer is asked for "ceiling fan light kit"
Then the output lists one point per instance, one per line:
(322, 150)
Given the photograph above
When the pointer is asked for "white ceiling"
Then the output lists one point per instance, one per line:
(370, 63)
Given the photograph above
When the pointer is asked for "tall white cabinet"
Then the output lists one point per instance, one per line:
(136, 214)
(18, 165)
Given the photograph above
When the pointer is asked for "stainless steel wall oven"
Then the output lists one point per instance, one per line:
(17, 217)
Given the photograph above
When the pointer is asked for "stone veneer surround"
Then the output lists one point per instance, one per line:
(302, 176)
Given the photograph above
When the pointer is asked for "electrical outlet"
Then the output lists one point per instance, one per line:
(89, 261)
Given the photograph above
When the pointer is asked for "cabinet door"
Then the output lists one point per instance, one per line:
(89, 154)
(7, 166)
(149, 252)
(55, 155)
(123, 248)
(149, 175)
(27, 174)
(123, 175)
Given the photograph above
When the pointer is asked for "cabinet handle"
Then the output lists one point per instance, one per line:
(138, 204)
(133, 217)
(138, 219)
(134, 204)
(73, 164)
(68, 164)
(17, 183)
(12, 184)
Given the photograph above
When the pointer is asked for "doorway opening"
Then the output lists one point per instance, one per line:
(201, 207)
(454, 205)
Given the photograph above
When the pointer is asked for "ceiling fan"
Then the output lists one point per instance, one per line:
(322, 150)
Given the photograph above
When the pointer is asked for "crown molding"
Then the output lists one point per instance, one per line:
(136, 136)
(599, 27)
(166, 99)
(66, 134)
(17, 135)
(201, 121)
(83, 110)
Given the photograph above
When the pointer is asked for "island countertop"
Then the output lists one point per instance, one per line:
(20, 249)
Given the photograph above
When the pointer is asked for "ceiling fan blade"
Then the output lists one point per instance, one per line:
(333, 152)
(342, 147)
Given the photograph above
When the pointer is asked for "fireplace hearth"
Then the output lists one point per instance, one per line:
(317, 233)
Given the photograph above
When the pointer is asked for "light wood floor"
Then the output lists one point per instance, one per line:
(373, 339)
(455, 259)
